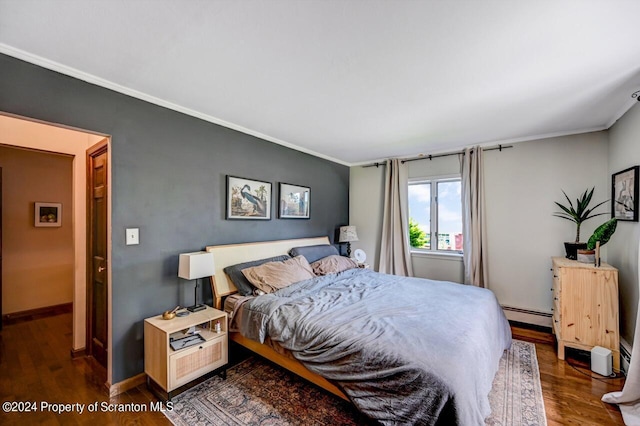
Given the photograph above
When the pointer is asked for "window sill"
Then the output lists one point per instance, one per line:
(455, 256)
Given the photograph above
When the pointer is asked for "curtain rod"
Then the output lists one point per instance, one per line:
(447, 154)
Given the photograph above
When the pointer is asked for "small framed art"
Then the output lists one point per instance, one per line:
(294, 201)
(48, 214)
(248, 199)
(624, 194)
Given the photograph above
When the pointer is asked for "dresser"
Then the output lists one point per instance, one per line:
(585, 306)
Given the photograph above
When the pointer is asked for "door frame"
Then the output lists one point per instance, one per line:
(32, 133)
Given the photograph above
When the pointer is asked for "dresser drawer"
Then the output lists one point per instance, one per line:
(188, 364)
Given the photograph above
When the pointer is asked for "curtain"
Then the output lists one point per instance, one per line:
(473, 217)
(629, 398)
(395, 257)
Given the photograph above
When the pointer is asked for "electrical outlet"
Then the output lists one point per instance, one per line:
(132, 236)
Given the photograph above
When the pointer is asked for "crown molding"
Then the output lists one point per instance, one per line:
(90, 78)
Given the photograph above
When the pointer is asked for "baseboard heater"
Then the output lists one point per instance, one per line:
(625, 355)
(528, 316)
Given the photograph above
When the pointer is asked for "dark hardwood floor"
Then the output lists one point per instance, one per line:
(571, 391)
(36, 367)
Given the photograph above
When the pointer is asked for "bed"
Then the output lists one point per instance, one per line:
(402, 350)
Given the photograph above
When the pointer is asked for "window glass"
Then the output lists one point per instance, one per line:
(449, 216)
(420, 215)
(435, 209)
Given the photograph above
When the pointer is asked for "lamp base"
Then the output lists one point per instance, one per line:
(196, 308)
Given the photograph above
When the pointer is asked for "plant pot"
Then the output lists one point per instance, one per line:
(572, 249)
(586, 256)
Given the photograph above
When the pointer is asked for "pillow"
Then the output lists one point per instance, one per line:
(313, 253)
(238, 279)
(273, 276)
(332, 265)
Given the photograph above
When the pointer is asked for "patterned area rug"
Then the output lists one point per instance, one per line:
(516, 394)
(257, 392)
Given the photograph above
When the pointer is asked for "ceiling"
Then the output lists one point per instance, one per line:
(353, 81)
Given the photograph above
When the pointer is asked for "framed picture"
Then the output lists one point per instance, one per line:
(294, 201)
(624, 194)
(48, 214)
(248, 199)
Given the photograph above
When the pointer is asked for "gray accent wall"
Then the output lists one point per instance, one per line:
(168, 179)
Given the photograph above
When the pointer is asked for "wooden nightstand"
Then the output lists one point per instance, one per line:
(585, 307)
(170, 368)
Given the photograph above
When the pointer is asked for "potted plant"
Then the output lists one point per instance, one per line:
(577, 214)
(601, 235)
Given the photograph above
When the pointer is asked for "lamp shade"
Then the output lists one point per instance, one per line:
(196, 265)
(347, 233)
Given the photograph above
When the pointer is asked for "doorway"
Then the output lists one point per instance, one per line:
(32, 134)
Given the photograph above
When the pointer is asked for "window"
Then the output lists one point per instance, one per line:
(435, 215)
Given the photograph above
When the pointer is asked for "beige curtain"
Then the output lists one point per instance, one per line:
(629, 398)
(395, 257)
(473, 218)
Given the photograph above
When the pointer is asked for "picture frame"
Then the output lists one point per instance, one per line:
(248, 199)
(48, 215)
(624, 194)
(294, 201)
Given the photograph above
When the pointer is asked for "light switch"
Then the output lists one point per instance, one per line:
(132, 236)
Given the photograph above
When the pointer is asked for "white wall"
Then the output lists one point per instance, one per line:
(624, 152)
(38, 262)
(366, 200)
(522, 184)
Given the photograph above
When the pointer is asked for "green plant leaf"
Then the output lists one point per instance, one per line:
(602, 233)
(581, 211)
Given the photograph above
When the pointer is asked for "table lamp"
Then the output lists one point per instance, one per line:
(193, 266)
(348, 234)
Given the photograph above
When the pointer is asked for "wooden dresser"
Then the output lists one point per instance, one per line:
(585, 307)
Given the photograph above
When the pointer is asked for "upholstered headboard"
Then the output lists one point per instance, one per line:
(231, 254)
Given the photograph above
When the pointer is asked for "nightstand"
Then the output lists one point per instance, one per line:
(182, 349)
(585, 307)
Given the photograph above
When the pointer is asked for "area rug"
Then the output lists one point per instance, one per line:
(257, 392)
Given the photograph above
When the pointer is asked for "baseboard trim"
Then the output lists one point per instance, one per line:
(31, 314)
(78, 353)
(527, 316)
(123, 386)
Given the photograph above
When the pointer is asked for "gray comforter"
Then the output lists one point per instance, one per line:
(404, 350)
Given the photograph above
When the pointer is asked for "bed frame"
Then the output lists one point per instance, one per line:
(221, 286)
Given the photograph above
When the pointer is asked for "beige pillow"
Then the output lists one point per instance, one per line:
(272, 276)
(332, 265)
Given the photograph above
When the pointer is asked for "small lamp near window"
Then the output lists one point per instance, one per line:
(348, 234)
(193, 266)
